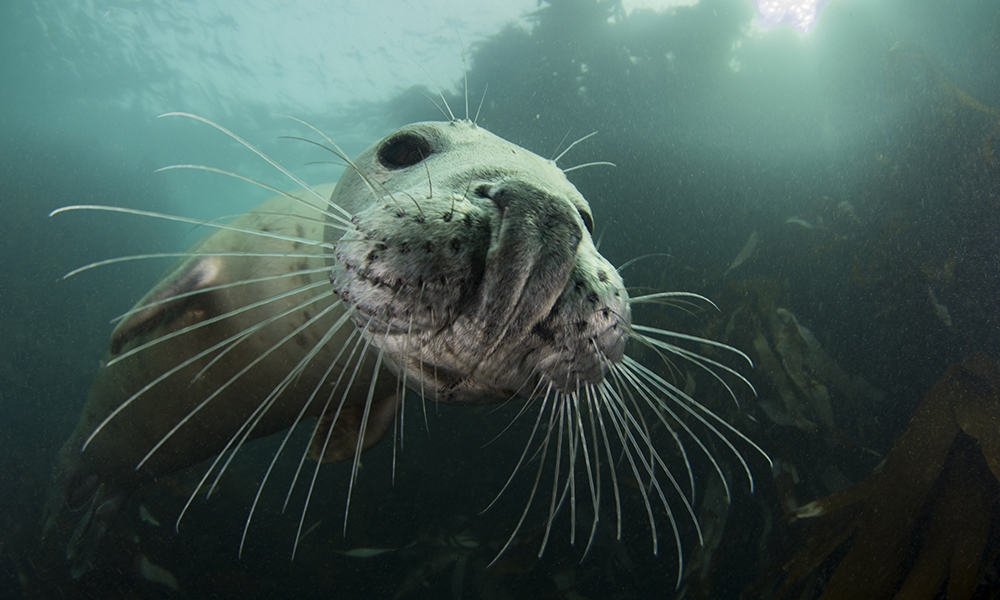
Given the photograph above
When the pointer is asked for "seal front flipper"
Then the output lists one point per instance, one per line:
(170, 397)
(341, 444)
(88, 492)
(171, 299)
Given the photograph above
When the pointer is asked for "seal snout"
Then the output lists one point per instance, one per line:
(535, 214)
(540, 207)
(531, 255)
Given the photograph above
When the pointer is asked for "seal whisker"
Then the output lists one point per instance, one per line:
(689, 307)
(631, 262)
(623, 419)
(420, 363)
(577, 447)
(215, 224)
(215, 288)
(317, 285)
(342, 155)
(232, 346)
(357, 343)
(612, 401)
(364, 427)
(543, 448)
(571, 146)
(344, 220)
(450, 115)
(559, 145)
(191, 360)
(693, 407)
(406, 371)
(298, 418)
(693, 338)
(430, 184)
(135, 257)
(465, 77)
(417, 204)
(632, 384)
(689, 402)
(665, 358)
(253, 420)
(559, 406)
(636, 413)
(381, 185)
(261, 154)
(605, 398)
(363, 343)
(401, 390)
(219, 457)
(593, 469)
(324, 222)
(353, 344)
(590, 164)
(437, 106)
(527, 445)
(524, 408)
(573, 446)
(344, 159)
(481, 100)
(698, 359)
(239, 374)
(660, 295)
(654, 457)
(658, 406)
(699, 340)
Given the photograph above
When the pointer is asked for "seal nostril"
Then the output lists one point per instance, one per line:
(588, 222)
(483, 191)
(501, 196)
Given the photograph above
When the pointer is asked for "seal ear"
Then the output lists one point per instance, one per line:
(341, 444)
(161, 306)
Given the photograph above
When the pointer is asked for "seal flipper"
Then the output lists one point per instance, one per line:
(93, 497)
(92, 529)
(343, 441)
(160, 305)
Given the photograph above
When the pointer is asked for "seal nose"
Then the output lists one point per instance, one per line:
(529, 210)
(531, 256)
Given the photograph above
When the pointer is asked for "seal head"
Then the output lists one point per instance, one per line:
(477, 274)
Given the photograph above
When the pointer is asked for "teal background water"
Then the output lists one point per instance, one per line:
(860, 155)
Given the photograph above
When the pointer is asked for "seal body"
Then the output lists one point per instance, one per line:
(217, 349)
(460, 261)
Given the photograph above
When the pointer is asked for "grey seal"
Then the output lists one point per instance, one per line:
(458, 262)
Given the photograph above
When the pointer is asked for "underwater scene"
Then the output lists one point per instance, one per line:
(563, 299)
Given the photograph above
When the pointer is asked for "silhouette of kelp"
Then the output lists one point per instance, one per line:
(924, 526)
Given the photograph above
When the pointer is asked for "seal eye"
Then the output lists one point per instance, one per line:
(588, 221)
(403, 150)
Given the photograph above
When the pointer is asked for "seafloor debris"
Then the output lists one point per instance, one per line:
(925, 525)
